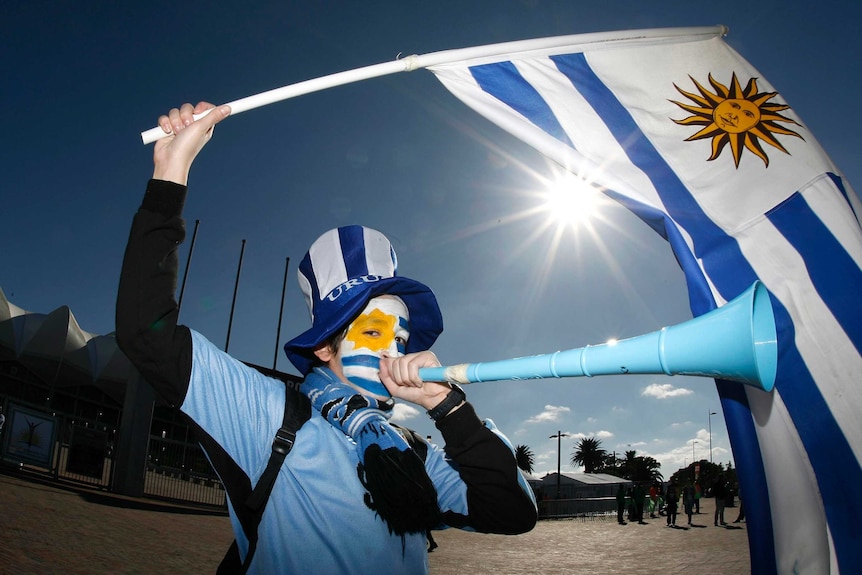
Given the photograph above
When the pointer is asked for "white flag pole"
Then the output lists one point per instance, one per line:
(492, 52)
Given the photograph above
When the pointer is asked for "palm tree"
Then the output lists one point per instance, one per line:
(646, 469)
(589, 453)
(640, 468)
(628, 464)
(524, 457)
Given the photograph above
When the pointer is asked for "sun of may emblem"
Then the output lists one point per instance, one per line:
(735, 116)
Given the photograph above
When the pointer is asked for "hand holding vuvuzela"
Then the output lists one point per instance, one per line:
(400, 376)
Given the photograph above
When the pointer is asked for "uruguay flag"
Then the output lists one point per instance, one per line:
(679, 128)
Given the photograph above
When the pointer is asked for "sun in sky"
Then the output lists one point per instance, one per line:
(739, 117)
(571, 201)
(569, 210)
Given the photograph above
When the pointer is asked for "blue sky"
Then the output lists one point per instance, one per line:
(455, 194)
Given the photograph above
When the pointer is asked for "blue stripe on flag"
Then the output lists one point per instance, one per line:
(838, 472)
(700, 298)
(832, 270)
(731, 274)
(839, 183)
(353, 250)
(680, 204)
(755, 489)
(505, 83)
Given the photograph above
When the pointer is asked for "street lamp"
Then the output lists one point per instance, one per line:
(711, 413)
(558, 436)
(692, 451)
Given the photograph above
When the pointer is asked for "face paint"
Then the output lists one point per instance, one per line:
(383, 326)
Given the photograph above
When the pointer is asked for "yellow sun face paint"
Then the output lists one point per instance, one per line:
(382, 327)
(374, 330)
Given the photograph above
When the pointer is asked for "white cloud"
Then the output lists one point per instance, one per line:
(403, 412)
(550, 413)
(601, 434)
(680, 424)
(664, 391)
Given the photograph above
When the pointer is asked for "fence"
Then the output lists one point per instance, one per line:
(83, 452)
(65, 447)
(180, 471)
(585, 508)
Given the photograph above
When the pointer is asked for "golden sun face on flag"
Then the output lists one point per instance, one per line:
(739, 117)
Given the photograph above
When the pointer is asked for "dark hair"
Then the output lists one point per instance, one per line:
(333, 343)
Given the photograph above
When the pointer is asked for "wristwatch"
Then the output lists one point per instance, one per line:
(452, 400)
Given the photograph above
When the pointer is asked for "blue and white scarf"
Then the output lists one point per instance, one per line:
(399, 489)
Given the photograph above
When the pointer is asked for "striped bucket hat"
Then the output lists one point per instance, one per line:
(343, 269)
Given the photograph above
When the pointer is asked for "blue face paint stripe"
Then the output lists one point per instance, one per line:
(404, 324)
(361, 361)
(835, 275)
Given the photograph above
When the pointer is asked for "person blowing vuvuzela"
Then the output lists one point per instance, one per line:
(355, 493)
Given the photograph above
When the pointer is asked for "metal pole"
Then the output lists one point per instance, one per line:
(188, 264)
(558, 436)
(233, 303)
(711, 413)
(280, 313)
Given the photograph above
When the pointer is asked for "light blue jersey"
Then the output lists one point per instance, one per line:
(317, 503)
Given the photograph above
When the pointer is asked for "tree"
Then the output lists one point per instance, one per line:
(590, 454)
(708, 473)
(524, 458)
(611, 465)
(628, 464)
(645, 469)
(638, 468)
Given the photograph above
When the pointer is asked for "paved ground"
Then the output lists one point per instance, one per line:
(48, 528)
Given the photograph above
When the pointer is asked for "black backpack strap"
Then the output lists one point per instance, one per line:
(297, 410)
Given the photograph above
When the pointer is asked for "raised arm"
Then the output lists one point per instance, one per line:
(146, 313)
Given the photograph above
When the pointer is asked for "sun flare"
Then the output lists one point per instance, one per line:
(569, 200)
